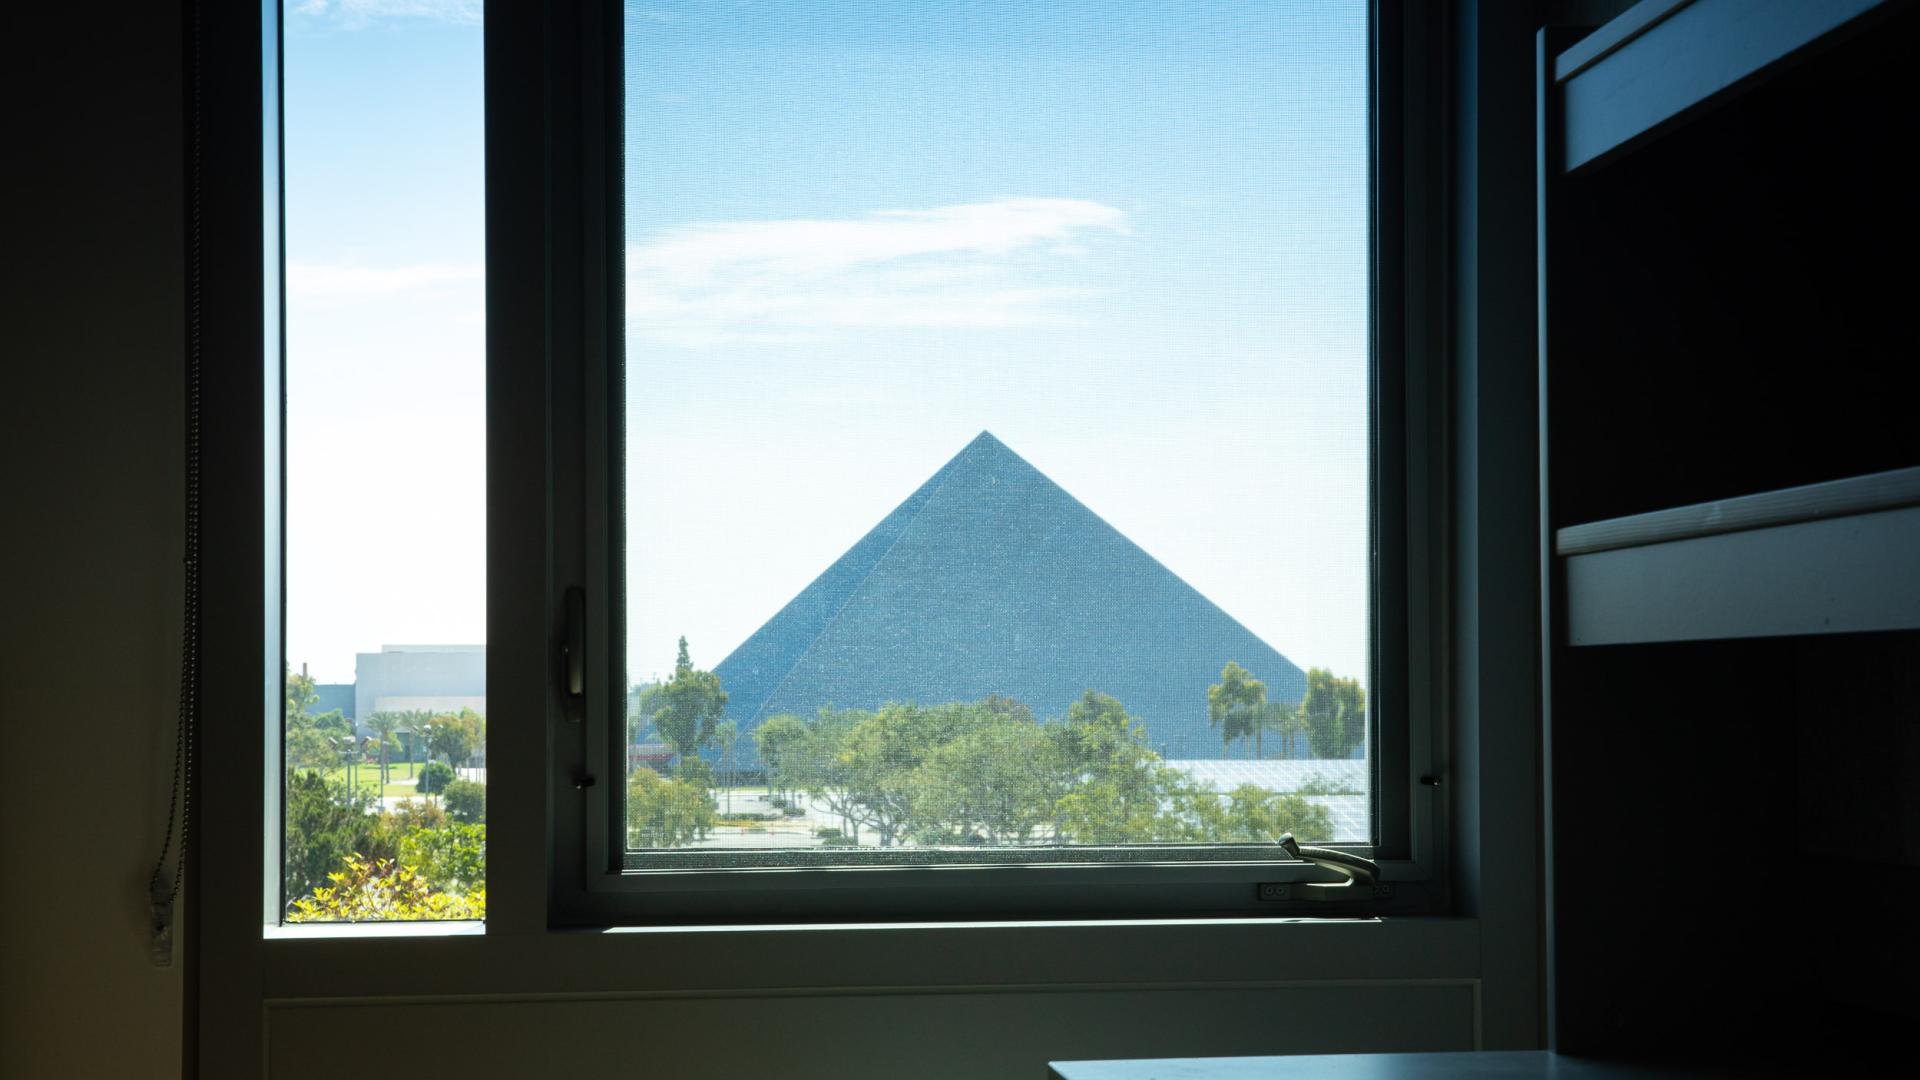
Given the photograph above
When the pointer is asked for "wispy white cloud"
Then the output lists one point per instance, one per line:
(1009, 262)
(332, 285)
(362, 12)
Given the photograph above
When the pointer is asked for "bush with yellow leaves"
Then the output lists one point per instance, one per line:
(380, 891)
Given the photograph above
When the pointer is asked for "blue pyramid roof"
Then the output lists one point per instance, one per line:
(991, 579)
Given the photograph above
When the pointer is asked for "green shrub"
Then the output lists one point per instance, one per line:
(408, 815)
(434, 776)
(326, 822)
(665, 813)
(466, 801)
(363, 891)
(451, 860)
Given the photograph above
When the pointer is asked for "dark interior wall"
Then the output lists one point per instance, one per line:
(1735, 823)
(90, 420)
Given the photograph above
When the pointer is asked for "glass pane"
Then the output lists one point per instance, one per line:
(385, 470)
(997, 427)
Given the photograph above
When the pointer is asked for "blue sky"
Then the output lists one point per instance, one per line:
(1126, 238)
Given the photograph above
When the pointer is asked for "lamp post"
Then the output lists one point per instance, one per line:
(346, 744)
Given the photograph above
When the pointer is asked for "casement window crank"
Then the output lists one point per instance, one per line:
(1360, 876)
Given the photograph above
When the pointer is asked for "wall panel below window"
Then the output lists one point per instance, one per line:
(928, 1036)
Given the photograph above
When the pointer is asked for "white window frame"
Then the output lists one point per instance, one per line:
(1469, 476)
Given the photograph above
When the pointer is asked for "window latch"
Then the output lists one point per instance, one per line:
(573, 651)
(1361, 876)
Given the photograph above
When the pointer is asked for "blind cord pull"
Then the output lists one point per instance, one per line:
(163, 889)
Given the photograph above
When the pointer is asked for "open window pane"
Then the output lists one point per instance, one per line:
(384, 757)
(998, 426)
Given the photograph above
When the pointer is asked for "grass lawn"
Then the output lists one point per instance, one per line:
(367, 778)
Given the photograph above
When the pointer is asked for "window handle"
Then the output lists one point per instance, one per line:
(1359, 872)
(574, 650)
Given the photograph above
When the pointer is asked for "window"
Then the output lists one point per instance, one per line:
(997, 394)
(384, 741)
(978, 477)
(558, 688)
(992, 468)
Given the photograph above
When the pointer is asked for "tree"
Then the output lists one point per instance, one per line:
(1334, 713)
(326, 822)
(882, 750)
(308, 748)
(664, 813)
(639, 720)
(817, 764)
(386, 727)
(725, 734)
(311, 742)
(466, 801)
(1111, 785)
(414, 726)
(1256, 815)
(994, 784)
(302, 694)
(1236, 705)
(1283, 719)
(454, 737)
(777, 739)
(434, 777)
(686, 707)
(695, 773)
(452, 858)
(1119, 791)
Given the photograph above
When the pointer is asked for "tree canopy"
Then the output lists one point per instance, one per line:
(454, 736)
(1334, 713)
(987, 772)
(1237, 706)
(687, 706)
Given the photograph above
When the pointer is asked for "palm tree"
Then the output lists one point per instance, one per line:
(1283, 720)
(1236, 705)
(413, 724)
(384, 726)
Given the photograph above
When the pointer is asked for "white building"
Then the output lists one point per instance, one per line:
(433, 678)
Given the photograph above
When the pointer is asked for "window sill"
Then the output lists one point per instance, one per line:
(354, 931)
(981, 924)
(737, 960)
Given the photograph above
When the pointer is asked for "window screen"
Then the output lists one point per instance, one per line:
(996, 449)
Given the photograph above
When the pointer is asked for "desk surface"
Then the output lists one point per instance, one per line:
(1497, 1065)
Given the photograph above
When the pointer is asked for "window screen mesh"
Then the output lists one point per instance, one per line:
(997, 428)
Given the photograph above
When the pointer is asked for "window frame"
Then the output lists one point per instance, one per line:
(589, 883)
(1469, 307)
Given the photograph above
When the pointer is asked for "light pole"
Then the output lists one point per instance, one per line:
(346, 744)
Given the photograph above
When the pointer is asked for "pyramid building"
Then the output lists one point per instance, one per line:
(991, 579)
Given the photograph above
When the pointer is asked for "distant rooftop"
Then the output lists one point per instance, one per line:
(433, 648)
